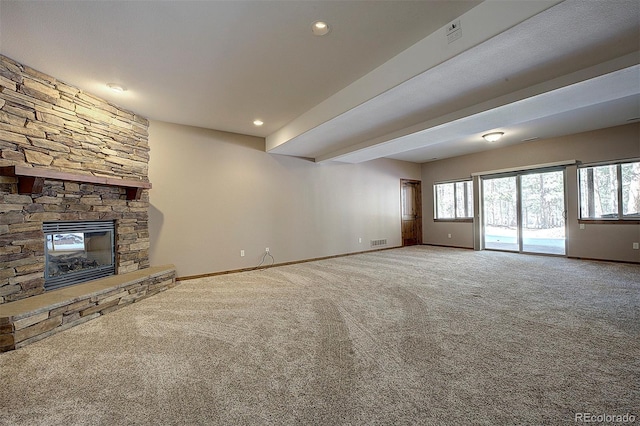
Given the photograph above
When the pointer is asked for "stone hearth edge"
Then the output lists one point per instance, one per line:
(28, 320)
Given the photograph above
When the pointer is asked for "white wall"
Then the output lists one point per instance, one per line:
(596, 241)
(216, 193)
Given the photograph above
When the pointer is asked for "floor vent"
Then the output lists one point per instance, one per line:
(378, 243)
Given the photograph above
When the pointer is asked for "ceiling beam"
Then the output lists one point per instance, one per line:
(478, 25)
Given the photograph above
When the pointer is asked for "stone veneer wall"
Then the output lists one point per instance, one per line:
(46, 123)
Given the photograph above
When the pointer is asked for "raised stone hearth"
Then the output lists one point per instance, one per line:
(29, 320)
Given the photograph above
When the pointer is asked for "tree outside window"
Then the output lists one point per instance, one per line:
(610, 191)
(454, 200)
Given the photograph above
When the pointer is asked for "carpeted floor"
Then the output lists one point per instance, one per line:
(418, 335)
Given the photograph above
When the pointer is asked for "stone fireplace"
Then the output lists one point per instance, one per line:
(74, 201)
(66, 156)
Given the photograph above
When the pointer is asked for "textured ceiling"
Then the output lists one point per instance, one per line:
(558, 43)
(215, 64)
(383, 83)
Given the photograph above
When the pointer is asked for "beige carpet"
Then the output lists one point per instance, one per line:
(419, 335)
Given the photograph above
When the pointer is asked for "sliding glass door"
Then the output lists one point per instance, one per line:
(500, 197)
(543, 212)
(525, 212)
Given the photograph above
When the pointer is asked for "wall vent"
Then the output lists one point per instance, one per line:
(378, 243)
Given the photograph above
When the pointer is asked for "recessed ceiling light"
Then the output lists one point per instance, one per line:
(116, 87)
(530, 139)
(258, 123)
(320, 28)
(493, 137)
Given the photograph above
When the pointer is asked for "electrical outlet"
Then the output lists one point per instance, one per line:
(582, 226)
(267, 249)
(636, 246)
(241, 253)
(360, 240)
(449, 236)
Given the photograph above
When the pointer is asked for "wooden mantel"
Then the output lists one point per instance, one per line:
(31, 180)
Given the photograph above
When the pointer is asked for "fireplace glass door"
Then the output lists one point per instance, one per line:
(76, 252)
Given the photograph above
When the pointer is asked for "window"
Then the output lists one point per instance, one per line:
(610, 191)
(630, 189)
(453, 200)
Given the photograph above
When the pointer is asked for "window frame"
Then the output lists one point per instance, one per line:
(469, 203)
(620, 216)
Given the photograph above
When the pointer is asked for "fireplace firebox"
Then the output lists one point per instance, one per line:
(77, 252)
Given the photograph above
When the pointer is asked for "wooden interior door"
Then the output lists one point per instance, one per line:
(411, 209)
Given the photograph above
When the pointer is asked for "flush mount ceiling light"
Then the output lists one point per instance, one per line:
(320, 28)
(116, 87)
(258, 123)
(492, 137)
